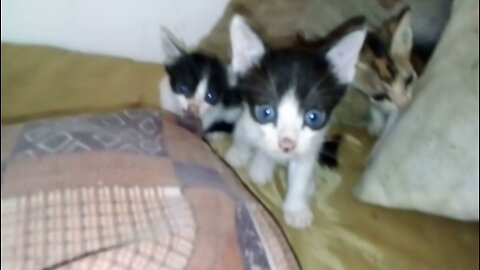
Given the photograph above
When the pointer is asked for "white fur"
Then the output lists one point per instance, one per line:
(247, 47)
(388, 120)
(344, 55)
(168, 99)
(261, 168)
(178, 104)
(378, 119)
(296, 211)
(251, 138)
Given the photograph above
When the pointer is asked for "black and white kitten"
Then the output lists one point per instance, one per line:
(289, 96)
(199, 85)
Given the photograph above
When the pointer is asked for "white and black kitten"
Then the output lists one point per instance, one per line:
(289, 96)
(199, 85)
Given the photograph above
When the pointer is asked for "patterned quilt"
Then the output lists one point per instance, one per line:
(127, 190)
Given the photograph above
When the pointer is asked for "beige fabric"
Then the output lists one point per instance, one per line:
(41, 81)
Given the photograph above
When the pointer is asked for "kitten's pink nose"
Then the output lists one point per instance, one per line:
(193, 108)
(287, 145)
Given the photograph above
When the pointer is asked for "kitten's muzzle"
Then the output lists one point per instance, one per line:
(403, 104)
(286, 145)
(193, 108)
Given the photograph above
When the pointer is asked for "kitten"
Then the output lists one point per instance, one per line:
(385, 73)
(289, 96)
(198, 85)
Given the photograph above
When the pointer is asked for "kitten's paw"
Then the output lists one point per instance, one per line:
(299, 217)
(260, 173)
(375, 129)
(237, 157)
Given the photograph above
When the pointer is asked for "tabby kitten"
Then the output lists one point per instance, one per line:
(385, 73)
(289, 96)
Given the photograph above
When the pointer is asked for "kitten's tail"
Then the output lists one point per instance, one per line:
(328, 155)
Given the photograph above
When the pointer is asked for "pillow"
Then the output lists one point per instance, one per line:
(430, 160)
(127, 190)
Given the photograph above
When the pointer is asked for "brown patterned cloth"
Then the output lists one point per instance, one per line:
(127, 190)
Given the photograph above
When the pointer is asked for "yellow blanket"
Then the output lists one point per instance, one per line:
(41, 81)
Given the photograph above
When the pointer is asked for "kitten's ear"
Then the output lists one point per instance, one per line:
(402, 38)
(344, 54)
(172, 47)
(247, 47)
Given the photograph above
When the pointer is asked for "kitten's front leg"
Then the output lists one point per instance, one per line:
(377, 121)
(261, 168)
(392, 118)
(296, 210)
(241, 150)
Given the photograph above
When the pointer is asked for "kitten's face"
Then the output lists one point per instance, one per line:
(198, 81)
(290, 94)
(386, 73)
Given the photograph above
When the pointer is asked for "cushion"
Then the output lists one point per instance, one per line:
(127, 190)
(430, 161)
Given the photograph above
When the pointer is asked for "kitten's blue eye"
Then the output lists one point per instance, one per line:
(314, 119)
(181, 89)
(211, 97)
(265, 114)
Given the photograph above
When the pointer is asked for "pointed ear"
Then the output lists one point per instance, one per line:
(344, 54)
(171, 46)
(247, 47)
(402, 37)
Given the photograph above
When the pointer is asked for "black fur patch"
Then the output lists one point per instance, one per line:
(190, 68)
(329, 155)
(280, 71)
(221, 127)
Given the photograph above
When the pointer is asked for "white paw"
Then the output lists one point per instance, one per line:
(237, 157)
(375, 129)
(311, 188)
(260, 173)
(299, 217)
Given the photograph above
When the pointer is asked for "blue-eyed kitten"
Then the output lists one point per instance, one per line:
(289, 96)
(198, 84)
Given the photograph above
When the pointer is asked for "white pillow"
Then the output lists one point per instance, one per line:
(430, 160)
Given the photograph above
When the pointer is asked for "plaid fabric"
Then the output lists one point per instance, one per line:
(128, 190)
